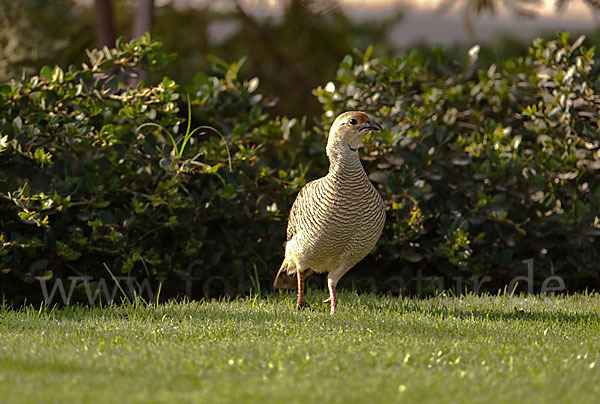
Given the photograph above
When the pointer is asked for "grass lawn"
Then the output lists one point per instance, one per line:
(376, 349)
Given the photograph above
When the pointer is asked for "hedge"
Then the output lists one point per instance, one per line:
(485, 170)
(482, 169)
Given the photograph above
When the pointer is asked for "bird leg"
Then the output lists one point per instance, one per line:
(301, 302)
(332, 298)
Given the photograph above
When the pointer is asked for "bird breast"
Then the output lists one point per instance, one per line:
(338, 219)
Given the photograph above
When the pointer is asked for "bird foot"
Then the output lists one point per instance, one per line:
(333, 307)
(302, 305)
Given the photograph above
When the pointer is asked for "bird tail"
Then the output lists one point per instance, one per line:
(286, 276)
(285, 279)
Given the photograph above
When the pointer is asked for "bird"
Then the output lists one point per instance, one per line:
(335, 220)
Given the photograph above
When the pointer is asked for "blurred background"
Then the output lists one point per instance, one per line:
(292, 46)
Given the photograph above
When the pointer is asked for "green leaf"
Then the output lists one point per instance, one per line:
(3, 142)
(416, 57)
(347, 62)
(368, 53)
(42, 157)
(58, 75)
(46, 72)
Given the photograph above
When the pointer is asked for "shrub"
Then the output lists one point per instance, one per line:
(98, 175)
(483, 168)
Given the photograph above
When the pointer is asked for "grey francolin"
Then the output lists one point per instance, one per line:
(336, 220)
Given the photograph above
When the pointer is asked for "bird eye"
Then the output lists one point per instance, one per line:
(352, 121)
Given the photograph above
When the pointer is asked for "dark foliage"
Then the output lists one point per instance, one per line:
(481, 169)
(96, 175)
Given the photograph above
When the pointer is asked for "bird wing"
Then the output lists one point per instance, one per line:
(299, 209)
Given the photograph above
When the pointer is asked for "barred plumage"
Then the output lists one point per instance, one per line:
(336, 220)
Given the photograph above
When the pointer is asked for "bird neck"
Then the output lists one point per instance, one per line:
(347, 167)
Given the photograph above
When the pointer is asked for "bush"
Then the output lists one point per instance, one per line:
(483, 169)
(100, 177)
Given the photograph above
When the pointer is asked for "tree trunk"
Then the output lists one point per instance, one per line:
(142, 19)
(142, 22)
(105, 23)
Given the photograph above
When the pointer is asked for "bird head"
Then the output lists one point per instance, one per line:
(347, 133)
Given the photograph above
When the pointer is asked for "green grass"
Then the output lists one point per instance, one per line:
(376, 349)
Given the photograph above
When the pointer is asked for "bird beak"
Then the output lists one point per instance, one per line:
(375, 126)
(372, 126)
